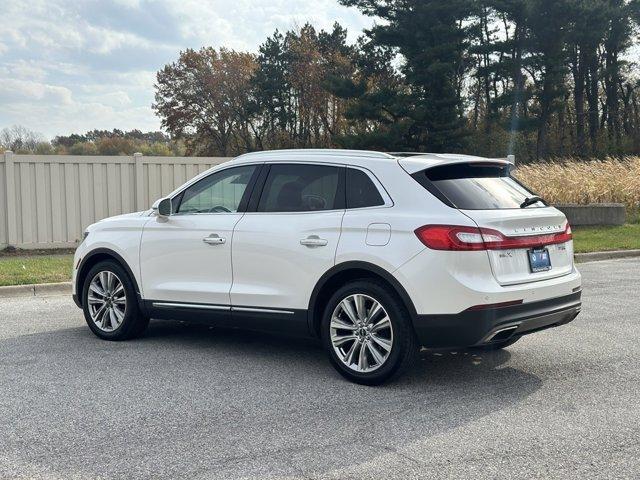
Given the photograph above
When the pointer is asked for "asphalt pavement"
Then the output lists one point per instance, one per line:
(190, 401)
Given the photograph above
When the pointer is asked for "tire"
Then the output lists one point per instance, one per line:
(380, 365)
(498, 345)
(118, 320)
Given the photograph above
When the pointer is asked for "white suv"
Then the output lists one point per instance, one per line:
(376, 254)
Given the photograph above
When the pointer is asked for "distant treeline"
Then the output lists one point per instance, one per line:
(537, 78)
(95, 142)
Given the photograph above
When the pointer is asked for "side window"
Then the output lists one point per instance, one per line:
(302, 188)
(217, 193)
(361, 191)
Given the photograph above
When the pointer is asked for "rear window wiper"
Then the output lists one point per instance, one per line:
(530, 201)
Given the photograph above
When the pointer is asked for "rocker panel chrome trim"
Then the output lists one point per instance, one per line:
(260, 310)
(197, 306)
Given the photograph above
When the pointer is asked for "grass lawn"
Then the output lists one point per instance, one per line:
(22, 270)
(596, 239)
(42, 268)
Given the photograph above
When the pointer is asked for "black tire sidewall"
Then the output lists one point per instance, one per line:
(131, 314)
(400, 322)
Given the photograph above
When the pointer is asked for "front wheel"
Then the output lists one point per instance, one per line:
(367, 332)
(109, 303)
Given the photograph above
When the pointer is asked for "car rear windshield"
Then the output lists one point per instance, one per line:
(475, 186)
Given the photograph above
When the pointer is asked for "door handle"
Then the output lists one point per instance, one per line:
(313, 241)
(214, 239)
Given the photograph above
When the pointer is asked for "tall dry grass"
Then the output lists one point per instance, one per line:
(594, 181)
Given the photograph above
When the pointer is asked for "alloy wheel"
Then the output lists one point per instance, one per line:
(361, 333)
(107, 301)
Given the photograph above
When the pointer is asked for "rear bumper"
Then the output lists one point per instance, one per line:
(477, 327)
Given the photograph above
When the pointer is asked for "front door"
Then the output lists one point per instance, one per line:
(186, 257)
(282, 249)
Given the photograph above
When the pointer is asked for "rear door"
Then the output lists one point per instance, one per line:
(488, 194)
(282, 247)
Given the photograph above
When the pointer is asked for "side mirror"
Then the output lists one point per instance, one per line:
(162, 208)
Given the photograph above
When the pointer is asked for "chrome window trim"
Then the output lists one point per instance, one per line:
(202, 176)
(388, 201)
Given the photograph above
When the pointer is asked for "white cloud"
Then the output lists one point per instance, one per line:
(113, 99)
(27, 90)
(22, 69)
(244, 24)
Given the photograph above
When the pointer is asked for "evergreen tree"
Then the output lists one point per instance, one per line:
(431, 37)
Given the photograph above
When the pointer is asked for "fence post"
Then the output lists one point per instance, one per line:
(12, 233)
(139, 183)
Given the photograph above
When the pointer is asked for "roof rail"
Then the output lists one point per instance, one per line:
(407, 154)
(318, 152)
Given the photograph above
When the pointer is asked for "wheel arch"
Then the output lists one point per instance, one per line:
(93, 258)
(343, 273)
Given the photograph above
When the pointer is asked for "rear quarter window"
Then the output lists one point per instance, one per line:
(475, 186)
(361, 191)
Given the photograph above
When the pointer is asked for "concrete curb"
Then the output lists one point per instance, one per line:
(598, 256)
(40, 290)
(64, 288)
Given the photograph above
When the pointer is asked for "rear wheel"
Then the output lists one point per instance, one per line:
(368, 333)
(109, 303)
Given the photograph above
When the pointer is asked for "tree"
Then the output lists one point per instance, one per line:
(530, 77)
(432, 37)
(548, 24)
(617, 41)
(202, 98)
(587, 33)
(20, 139)
(375, 109)
(271, 89)
(291, 87)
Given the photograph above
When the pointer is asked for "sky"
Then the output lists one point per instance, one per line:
(73, 66)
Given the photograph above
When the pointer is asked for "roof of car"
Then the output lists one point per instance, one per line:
(362, 157)
(315, 152)
(411, 162)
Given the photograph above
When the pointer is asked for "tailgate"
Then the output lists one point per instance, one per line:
(511, 266)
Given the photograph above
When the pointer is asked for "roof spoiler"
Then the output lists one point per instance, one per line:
(510, 158)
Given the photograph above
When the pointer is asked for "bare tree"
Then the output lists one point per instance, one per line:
(20, 139)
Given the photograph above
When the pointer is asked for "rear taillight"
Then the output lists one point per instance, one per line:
(455, 237)
(450, 237)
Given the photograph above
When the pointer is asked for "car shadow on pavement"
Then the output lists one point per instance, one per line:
(192, 400)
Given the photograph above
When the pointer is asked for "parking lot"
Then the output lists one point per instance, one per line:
(189, 401)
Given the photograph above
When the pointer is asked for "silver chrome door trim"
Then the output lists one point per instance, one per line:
(260, 310)
(200, 306)
(203, 306)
